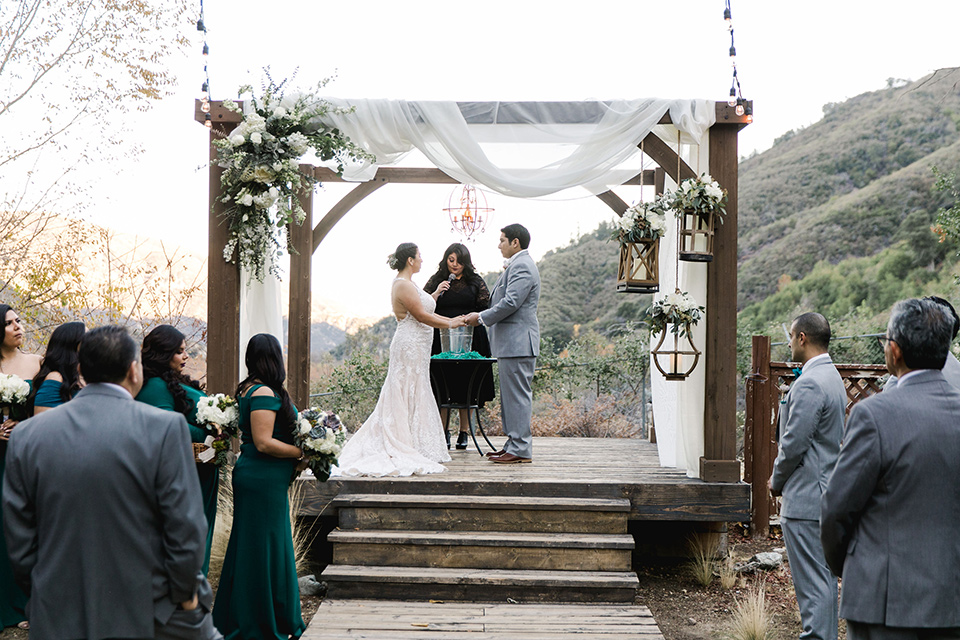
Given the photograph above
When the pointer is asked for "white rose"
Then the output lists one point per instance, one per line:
(279, 112)
(246, 200)
(256, 138)
(305, 426)
(237, 139)
(713, 191)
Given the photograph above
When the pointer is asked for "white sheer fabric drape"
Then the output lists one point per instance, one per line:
(441, 131)
(261, 308)
(678, 406)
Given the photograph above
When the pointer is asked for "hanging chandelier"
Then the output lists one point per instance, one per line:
(468, 211)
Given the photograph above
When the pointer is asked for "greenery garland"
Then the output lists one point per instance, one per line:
(261, 168)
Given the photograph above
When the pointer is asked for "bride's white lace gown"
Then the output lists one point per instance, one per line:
(403, 436)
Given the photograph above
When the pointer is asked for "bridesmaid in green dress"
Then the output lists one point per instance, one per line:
(59, 377)
(258, 596)
(166, 386)
(23, 365)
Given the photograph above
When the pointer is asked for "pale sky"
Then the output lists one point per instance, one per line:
(792, 59)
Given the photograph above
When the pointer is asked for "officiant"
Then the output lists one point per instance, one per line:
(459, 290)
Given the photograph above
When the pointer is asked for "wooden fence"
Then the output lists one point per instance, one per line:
(764, 388)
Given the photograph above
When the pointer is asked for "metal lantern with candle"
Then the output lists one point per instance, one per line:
(675, 314)
(701, 205)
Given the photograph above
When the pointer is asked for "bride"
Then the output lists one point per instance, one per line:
(403, 436)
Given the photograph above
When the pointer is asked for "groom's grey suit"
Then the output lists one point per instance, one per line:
(811, 426)
(891, 510)
(515, 342)
(104, 520)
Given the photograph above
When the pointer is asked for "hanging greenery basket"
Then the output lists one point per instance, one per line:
(638, 271)
(700, 203)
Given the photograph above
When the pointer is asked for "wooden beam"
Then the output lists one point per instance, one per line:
(223, 286)
(666, 158)
(425, 175)
(720, 401)
(613, 201)
(349, 201)
(218, 114)
(298, 317)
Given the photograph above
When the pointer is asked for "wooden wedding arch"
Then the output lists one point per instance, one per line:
(719, 462)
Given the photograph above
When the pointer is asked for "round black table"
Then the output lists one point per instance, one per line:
(459, 396)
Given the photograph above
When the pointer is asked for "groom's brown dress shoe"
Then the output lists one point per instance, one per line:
(509, 458)
(490, 454)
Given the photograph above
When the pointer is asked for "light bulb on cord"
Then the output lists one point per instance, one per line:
(732, 102)
(728, 19)
(740, 110)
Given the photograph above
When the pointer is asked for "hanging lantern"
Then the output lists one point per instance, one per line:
(695, 243)
(468, 211)
(681, 360)
(638, 271)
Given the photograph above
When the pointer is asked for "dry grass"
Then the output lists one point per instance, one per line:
(703, 557)
(728, 577)
(302, 534)
(751, 618)
(579, 418)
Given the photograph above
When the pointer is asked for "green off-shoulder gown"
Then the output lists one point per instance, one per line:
(156, 394)
(258, 596)
(12, 598)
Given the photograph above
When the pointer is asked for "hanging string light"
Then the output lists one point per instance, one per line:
(736, 95)
(205, 88)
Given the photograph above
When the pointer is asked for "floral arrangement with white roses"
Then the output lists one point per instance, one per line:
(701, 195)
(13, 390)
(220, 415)
(643, 221)
(261, 163)
(321, 436)
(678, 309)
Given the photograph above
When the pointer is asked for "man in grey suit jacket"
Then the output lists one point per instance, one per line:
(514, 334)
(811, 425)
(102, 510)
(891, 511)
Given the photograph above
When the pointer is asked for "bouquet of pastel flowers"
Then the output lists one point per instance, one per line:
(321, 436)
(13, 393)
(221, 418)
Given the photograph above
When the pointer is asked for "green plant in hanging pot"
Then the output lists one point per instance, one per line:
(701, 204)
(639, 230)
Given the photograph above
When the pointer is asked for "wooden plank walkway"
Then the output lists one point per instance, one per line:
(379, 619)
(562, 467)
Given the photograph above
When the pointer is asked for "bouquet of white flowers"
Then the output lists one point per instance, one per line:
(321, 436)
(702, 195)
(679, 310)
(642, 221)
(13, 392)
(221, 417)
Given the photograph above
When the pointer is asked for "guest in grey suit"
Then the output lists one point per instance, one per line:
(891, 511)
(514, 341)
(951, 369)
(811, 425)
(102, 510)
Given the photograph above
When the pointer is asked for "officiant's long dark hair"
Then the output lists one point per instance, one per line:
(159, 347)
(62, 356)
(264, 360)
(443, 271)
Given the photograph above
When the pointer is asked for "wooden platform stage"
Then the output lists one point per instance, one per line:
(565, 468)
(347, 619)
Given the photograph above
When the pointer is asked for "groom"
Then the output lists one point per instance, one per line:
(514, 332)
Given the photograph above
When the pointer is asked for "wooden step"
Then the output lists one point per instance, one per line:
(479, 585)
(483, 513)
(483, 549)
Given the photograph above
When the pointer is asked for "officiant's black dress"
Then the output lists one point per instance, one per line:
(466, 295)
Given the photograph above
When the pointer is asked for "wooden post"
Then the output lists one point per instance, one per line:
(758, 434)
(298, 316)
(719, 462)
(223, 287)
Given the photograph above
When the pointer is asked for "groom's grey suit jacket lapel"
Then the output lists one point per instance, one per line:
(511, 320)
(891, 510)
(811, 426)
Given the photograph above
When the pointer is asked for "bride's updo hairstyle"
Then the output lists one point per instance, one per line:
(398, 259)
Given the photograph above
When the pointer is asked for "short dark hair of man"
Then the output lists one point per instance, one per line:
(922, 329)
(953, 312)
(815, 327)
(106, 354)
(517, 232)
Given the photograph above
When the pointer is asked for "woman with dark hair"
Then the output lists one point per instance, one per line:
(258, 595)
(15, 362)
(459, 290)
(166, 386)
(403, 436)
(59, 377)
